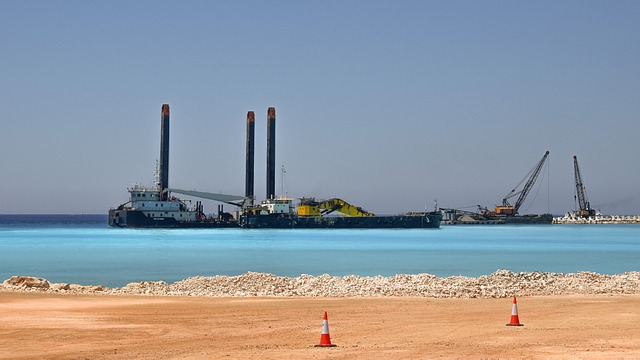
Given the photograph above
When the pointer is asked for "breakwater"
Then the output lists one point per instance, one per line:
(598, 219)
(500, 284)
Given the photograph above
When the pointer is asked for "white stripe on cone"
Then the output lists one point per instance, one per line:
(325, 327)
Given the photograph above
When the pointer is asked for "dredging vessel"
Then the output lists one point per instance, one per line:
(156, 207)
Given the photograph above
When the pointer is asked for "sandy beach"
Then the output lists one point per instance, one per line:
(57, 326)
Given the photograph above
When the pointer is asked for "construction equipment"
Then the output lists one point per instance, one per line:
(585, 207)
(464, 215)
(311, 207)
(509, 210)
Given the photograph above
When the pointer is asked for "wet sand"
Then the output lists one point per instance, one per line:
(54, 326)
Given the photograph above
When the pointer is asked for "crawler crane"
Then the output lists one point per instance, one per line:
(509, 210)
(585, 207)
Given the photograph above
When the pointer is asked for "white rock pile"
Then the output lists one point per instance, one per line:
(502, 283)
(571, 218)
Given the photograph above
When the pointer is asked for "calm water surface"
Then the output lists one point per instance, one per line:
(83, 249)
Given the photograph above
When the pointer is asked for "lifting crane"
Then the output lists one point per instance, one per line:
(585, 207)
(507, 208)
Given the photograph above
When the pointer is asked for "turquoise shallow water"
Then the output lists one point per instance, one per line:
(83, 249)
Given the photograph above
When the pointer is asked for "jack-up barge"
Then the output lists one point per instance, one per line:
(156, 207)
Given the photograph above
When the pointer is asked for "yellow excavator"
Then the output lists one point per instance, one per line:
(311, 207)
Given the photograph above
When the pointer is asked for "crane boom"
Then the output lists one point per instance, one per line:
(506, 208)
(583, 202)
(311, 207)
(228, 199)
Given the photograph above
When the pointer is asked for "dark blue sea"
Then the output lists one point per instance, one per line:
(82, 249)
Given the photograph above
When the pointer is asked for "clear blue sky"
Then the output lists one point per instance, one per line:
(388, 105)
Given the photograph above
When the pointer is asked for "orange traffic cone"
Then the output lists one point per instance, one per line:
(325, 339)
(515, 321)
